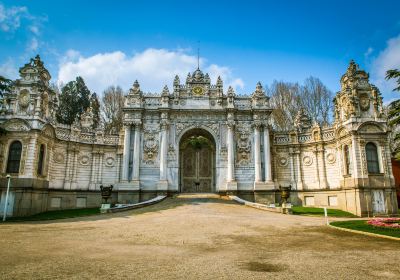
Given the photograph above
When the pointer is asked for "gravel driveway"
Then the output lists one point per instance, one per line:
(190, 237)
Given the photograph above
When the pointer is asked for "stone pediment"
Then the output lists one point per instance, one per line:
(49, 131)
(16, 125)
(370, 128)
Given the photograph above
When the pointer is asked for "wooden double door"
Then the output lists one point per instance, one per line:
(197, 165)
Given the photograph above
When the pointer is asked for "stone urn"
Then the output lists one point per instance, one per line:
(106, 192)
(285, 193)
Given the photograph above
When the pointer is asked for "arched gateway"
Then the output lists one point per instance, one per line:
(196, 136)
(197, 161)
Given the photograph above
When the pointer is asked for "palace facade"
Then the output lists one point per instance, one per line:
(195, 137)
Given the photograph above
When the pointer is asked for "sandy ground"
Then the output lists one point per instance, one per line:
(192, 238)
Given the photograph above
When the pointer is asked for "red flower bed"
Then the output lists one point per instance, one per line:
(393, 223)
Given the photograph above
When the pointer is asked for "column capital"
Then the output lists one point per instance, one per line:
(257, 124)
(231, 124)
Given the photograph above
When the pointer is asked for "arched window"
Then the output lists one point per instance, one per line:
(14, 157)
(347, 166)
(372, 158)
(41, 160)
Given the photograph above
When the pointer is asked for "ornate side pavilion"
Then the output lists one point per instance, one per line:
(196, 137)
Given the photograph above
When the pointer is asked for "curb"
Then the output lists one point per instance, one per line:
(255, 205)
(366, 233)
(135, 206)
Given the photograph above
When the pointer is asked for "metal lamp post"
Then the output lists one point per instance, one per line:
(6, 202)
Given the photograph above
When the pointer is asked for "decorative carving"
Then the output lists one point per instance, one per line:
(307, 160)
(150, 147)
(302, 120)
(84, 159)
(181, 126)
(110, 161)
(364, 102)
(243, 132)
(283, 161)
(24, 99)
(59, 157)
(330, 158)
(16, 125)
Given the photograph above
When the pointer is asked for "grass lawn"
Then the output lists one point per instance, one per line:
(300, 210)
(361, 225)
(57, 214)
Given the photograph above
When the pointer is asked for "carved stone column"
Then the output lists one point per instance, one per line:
(74, 182)
(125, 164)
(354, 150)
(299, 173)
(317, 168)
(30, 157)
(230, 176)
(100, 174)
(163, 183)
(324, 181)
(92, 183)
(257, 154)
(136, 153)
(267, 156)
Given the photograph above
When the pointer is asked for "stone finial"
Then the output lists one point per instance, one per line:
(219, 82)
(353, 67)
(176, 80)
(302, 121)
(135, 88)
(87, 118)
(231, 92)
(165, 91)
(207, 77)
(259, 92)
(188, 78)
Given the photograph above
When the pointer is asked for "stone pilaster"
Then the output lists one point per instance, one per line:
(125, 163)
(257, 154)
(231, 184)
(163, 183)
(136, 153)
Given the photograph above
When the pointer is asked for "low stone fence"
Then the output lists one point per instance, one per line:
(125, 207)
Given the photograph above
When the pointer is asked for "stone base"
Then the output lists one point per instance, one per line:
(104, 207)
(128, 186)
(264, 186)
(162, 185)
(286, 208)
(231, 186)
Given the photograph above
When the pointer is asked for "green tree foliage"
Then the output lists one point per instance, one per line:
(5, 85)
(73, 101)
(95, 105)
(394, 112)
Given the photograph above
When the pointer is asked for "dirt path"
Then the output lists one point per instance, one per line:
(192, 238)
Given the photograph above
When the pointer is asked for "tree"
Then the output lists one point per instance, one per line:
(95, 105)
(287, 99)
(316, 99)
(394, 113)
(5, 85)
(111, 109)
(73, 101)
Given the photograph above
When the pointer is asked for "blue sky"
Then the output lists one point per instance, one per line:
(116, 42)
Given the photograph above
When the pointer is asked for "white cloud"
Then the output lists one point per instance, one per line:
(368, 52)
(34, 29)
(153, 68)
(10, 18)
(9, 70)
(387, 59)
(33, 45)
